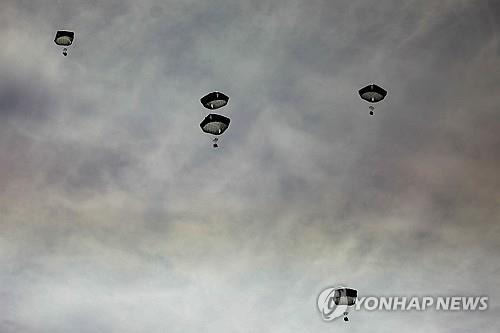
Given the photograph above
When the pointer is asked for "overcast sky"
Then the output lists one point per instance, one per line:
(116, 215)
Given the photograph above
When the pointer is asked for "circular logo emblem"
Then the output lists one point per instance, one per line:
(326, 305)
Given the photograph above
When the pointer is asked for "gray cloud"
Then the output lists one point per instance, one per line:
(118, 216)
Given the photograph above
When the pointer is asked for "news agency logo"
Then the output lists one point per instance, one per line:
(331, 308)
(416, 303)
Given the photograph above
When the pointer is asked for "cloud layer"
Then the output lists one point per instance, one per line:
(116, 214)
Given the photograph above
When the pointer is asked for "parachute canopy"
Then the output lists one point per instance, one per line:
(64, 38)
(215, 124)
(214, 100)
(372, 93)
(345, 296)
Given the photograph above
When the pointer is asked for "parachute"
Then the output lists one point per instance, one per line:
(373, 94)
(64, 38)
(215, 124)
(214, 100)
(345, 296)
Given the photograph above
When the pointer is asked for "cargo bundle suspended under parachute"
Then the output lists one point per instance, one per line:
(215, 124)
(214, 100)
(373, 94)
(64, 38)
(345, 296)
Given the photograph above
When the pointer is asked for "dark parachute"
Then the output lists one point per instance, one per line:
(64, 38)
(373, 94)
(215, 124)
(345, 296)
(214, 100)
